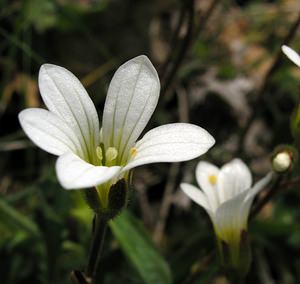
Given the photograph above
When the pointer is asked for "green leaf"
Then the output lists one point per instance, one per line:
(140, 250)
(13, 220)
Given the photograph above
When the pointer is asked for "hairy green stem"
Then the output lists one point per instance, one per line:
(99, 230)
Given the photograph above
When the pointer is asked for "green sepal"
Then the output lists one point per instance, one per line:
(235, 258)
(92, 199)
(245, 254)
(116, 201)
(117, 198)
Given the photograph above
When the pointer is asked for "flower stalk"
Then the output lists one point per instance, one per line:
(116, 200)
(98, 237)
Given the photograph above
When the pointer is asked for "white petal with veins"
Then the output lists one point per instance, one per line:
(65, 96)
(132, 97)
(234, 178)
(49, 132)
(207, 178)
(75, 173)
(174, 142)
(231, 217)
(196, 195)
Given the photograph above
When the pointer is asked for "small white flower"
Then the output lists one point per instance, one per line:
(227, 195)
(90, 157)
(291, 54)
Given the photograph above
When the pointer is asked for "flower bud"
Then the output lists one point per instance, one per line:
(283, 159)
(282, 162)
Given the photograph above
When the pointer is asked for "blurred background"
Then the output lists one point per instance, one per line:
(220, 67)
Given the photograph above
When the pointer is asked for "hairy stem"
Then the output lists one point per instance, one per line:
(99, 230)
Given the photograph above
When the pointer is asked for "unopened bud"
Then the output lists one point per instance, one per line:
(284, 158)
(282, 162)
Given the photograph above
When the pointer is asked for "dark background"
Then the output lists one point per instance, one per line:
(214, 60)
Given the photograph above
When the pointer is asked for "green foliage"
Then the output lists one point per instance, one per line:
(13, 220)
(140, 250)
(41, 14)
(45, 231)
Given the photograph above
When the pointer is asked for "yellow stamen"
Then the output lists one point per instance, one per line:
(110, 155)
(99, 153)
(212, 179)
(133, 152)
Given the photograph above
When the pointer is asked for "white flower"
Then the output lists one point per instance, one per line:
(227, 195)
(90, 157)
(291, 54)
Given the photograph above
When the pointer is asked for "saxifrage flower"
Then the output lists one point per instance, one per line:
(227, 195)
(91, 157)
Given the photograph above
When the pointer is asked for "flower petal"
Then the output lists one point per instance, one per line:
(65, 96)
(74, 173)
(291, 54)
(204, 173)
(132, 97)
(171, 143)
(231, 217)
(259, 186)
(49, 132)
(234, 178)
(251, 193)
(196, 195)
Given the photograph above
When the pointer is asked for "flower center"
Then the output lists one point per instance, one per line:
(212, 179)
(110, 157)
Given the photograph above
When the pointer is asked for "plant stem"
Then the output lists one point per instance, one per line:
(168, 79)
(174, 41)
(166, 203)
(99, 230)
